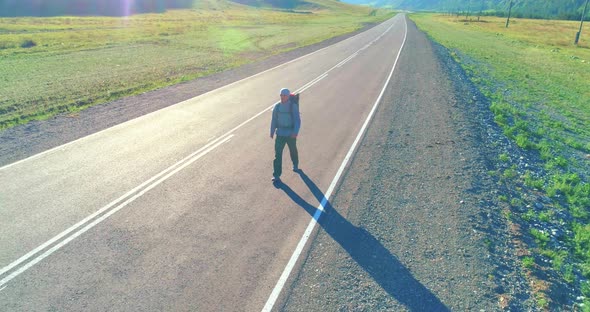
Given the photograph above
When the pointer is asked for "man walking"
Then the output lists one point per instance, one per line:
(285, 123)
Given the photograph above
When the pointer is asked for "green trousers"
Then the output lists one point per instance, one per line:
(280, 142)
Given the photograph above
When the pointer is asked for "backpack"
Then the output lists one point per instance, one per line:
(294, 98)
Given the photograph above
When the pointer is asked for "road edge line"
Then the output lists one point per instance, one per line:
(299, 249)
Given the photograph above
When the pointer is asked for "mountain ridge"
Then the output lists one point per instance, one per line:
(548, 9)
(116, 8)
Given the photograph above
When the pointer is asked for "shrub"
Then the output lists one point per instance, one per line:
(28, 43)
(528, 262)
(582, 240)
(541, 238)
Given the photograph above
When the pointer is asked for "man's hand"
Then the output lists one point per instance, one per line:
(271, 135)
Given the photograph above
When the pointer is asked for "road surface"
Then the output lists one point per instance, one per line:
(175, 210)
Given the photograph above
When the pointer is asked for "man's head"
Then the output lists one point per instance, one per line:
(285, 94)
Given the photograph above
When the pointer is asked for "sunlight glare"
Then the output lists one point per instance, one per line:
(127, 5)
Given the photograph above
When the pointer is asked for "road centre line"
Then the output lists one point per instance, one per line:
(347, 59)
(325, 74)
(138, 191)
(103, 209)
(119, 125)
(320, 209)
(194, 157)
(311, 83)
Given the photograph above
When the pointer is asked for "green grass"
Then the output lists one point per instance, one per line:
(537, 84)
(504, 157)
(65, 64)
(541, 238)
(539, 69)
(528, 262)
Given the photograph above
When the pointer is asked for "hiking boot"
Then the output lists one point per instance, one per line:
(276, 179)
(296, 168)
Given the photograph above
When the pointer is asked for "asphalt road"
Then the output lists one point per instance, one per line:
(175, 210)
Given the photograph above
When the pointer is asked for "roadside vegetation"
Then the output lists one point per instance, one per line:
(55, 65)
(536, 81)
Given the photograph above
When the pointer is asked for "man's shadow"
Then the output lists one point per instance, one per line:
(368, 252)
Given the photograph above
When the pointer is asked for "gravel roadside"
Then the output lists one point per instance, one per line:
(413, 226)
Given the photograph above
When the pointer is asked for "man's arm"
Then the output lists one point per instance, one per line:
(273, 123)
(296, 120)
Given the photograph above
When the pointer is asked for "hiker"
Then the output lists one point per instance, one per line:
(285, 123)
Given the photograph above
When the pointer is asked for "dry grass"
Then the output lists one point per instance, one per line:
(64, 64)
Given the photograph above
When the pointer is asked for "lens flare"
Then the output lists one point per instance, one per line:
(127, 6)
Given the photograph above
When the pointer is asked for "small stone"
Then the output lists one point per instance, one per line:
(545, 199)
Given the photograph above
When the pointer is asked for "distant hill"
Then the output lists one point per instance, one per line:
(284, 4)
(555, 9)
(11, 8)
(377, 3)
(14, 8)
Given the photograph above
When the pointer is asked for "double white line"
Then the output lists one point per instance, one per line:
(92, 220)
(25, 262)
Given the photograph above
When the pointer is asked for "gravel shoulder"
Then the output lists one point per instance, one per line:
(414, 225)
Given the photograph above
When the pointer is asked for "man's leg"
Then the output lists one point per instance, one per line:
(278, 162)
(292, 143)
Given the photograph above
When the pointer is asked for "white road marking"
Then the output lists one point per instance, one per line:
(320, 209)
(167, 173)
(311, 83)
(347, 59)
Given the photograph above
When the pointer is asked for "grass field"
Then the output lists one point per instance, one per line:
(538, 83)
(64, 64)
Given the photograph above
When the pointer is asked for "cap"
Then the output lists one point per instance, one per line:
(285, 91)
